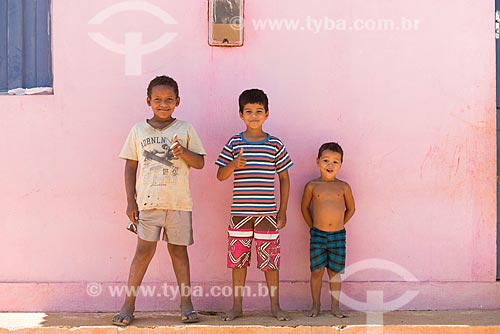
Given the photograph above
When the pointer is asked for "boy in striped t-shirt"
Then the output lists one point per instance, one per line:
(254, 157)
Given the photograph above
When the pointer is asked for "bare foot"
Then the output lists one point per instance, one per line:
(336, 312)
(280, 314)
(233, 314)
(314, 311)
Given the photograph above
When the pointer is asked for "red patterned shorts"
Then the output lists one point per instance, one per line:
(242, 230)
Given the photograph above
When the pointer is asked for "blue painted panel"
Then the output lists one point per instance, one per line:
(29, 41)
(15, 44)
(3, 45)
(43, 44)
(25, 44)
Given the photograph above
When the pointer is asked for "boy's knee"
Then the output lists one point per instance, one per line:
(334, 276)
(145, 249)
(177, 250)
(318, 273)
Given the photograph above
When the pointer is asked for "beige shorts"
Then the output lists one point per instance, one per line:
(176, 225)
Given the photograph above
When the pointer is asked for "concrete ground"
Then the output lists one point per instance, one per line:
(401, 322)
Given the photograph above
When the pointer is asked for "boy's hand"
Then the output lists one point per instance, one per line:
(240, 161)
(281, 219)
(133, 212)
(177, 148)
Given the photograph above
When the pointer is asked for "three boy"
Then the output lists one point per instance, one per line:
(163, 148)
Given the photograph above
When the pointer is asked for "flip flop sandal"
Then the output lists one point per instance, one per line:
(119, 317)
(189, 317)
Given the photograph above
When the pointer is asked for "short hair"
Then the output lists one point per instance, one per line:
(331, 146)
(163, 80)
(253, 96)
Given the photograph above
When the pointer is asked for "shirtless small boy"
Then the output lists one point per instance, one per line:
(327, 205)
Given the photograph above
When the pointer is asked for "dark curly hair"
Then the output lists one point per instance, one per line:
(163, 80)
(253, 96)
(331, 146)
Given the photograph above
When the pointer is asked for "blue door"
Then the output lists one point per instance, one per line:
(25, 44)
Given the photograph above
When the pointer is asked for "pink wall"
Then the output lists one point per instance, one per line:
(413, 110)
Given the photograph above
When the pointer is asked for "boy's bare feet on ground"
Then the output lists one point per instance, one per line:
(236, 313)
(314, 311)
(280, 314)
(233, 314)
(336, 312)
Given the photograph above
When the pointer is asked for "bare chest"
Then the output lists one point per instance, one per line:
(328, 192)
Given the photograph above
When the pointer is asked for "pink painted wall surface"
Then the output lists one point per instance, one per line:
(414, 111)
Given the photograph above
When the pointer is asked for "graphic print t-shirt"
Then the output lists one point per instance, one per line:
(163, 181)
(253, 185)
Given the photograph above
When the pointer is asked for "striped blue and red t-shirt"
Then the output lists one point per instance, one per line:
(253, 187)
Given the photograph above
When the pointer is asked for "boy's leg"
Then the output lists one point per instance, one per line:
(240, 235)
(180, 262)
(267, 244)
(272, 280)
(143, 255)
(178, 233)
(334, 279)
(318, 260)
(239, 279)
(336, 265)
(316, 283)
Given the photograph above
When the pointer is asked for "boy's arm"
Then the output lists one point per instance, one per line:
(130, 179)
(284, 193)
(306, 204)
(194, 160)
(349, 203)
(226, 171)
